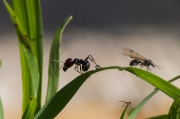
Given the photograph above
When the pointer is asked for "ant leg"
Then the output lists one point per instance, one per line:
(81, 70)
(92, 60)
(159, 67)
(149, 69)
(76, 69)
(124, 72)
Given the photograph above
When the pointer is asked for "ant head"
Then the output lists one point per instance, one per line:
(65, 68)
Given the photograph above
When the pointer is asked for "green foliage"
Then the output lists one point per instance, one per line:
(159, 117)
(174, 112)
(161, 84)
(1, 110)
(27, 19)
(29, 61)
(53, 74)
(1, 105)
(124, 113)
(136, 110)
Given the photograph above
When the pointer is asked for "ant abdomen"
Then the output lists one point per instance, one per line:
(68, 63)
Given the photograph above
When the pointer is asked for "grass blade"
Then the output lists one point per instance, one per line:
(61, 98)
(124, 113)
(1, 108)
(28, 61)
(29, 13)
(26, 79)
(136, 110)
(53, 75)
(1, 105)
(156, 81)
(31, 108)
(160, 117)
(33, 66)
(174, 110)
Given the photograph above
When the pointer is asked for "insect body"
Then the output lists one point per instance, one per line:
(80, 64)
(135, 63)
(138, 59)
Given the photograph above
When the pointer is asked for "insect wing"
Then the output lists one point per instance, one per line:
(132, 54)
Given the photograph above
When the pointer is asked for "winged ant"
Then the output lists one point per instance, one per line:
(80, 64)
(138, 59)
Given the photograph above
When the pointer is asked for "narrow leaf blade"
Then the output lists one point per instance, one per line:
(124, 113)
(31, 108)
(136, 110)
(156, 81)
(28, 60)
(174, 112)
(61, 98)
(53, 74)
(1, 110)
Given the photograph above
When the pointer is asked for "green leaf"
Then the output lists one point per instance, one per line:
(156, 81)
(124, 113)
(29, 13)
(31, 108)
(33, 66)
(174, 112)
(23, 40)
(61, 98)
(53, 75)
(30, 69)
(160, 117)
(1, 110)
(0, 62)
(136, 110)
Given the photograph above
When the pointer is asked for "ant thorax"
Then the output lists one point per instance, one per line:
(147, 62)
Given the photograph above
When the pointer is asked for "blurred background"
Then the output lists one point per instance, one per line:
(100, 28)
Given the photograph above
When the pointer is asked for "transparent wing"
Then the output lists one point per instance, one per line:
(132, 54)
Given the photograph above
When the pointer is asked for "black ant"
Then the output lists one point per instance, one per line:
(83, 65)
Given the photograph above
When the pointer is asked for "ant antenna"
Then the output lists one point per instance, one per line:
(60, 67)
(159, 67)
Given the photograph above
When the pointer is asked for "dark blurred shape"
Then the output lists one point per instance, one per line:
(93, 13)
